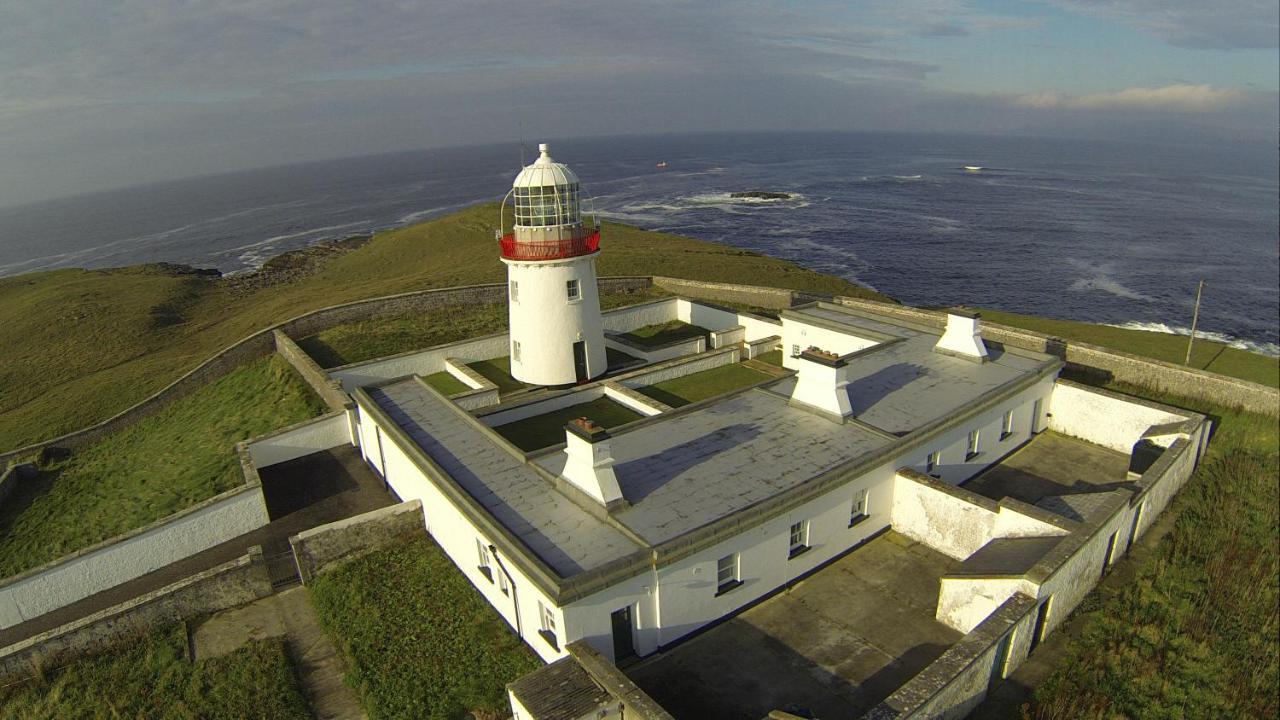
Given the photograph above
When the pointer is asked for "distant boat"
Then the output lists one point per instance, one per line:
(662, 164)
(972, 168)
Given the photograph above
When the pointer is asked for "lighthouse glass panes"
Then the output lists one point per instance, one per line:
(547, 205)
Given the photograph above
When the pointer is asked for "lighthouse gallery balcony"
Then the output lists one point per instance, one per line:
(513, 249)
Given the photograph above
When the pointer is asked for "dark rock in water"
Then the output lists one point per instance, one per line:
(761, 195)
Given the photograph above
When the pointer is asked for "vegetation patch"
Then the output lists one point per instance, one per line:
(702, 385)
(498, 372)
(545, 430)
(672, 331)
(1206, 354)
(167, 462)
(419, 641)
(152, 678)
(1193, 634)
(773, 357)
(384, 336)
(445, 383)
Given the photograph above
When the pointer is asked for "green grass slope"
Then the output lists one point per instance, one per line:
(152, 678)
(80, 346)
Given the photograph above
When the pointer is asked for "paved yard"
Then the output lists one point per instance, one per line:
(1052, 464)
(835, 645)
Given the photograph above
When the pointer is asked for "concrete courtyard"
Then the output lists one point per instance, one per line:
(833, 646)
(1052, 465)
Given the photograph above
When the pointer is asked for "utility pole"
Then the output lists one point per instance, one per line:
(1195, 317)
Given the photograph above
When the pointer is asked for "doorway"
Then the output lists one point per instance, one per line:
(1042, 620)
(580, 361)
(1036, 424)
(623, 643)
(1108, 558)
(1001, 661)
(1133, 529)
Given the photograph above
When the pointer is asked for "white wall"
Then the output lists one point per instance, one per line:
(717, 319)
(88, 572)
(1103, 420)
(642, 404)
(711, 360)
(631, 318)
(520, 412)
(547, 323)
(964, 602)
(729, 336)
(322, 433)
(795, 333)
(423, 362)
(692, 346)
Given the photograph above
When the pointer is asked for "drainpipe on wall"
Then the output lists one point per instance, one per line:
(511, 583)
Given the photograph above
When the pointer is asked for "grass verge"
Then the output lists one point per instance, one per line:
(660, 334)
(167, 462)
(445, 383)
(702, 385)
(152, 678)
(545, 430)
(1194, 633)
(419, 641)
(498, 372)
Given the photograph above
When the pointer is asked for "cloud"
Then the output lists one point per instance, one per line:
(1183, 98)
(1200, 24)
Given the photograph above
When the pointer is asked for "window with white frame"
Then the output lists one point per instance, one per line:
(858, 511)
(727, 577)
(515, 350)
(1006, 425)
(547, 621)
(971, 447)
(795, 351)
(482, 551)
(514, 292)
(799, 540)
(932, 462)
(572, 289)
(503, 585)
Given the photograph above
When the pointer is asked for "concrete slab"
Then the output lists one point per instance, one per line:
(834, 645)
(1050, 465)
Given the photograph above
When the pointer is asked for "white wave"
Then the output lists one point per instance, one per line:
(908, 177)
(1099, 278)
(1263, 348)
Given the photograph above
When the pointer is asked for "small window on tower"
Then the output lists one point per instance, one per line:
(572, 289)
(515, 350)
(515, 291)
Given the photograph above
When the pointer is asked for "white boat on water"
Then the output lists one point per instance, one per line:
(972, 168)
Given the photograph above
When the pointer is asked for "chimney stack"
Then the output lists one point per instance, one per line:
(963, 337)
(589, 466)
(822, 384)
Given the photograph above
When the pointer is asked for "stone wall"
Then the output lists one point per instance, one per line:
(753, 295)
(329, 390)
(233, 583)
(125, 557)
(317, 549)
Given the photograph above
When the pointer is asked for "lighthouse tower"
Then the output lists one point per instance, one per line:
(556, 334)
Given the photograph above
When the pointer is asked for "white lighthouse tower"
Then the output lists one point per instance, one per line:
(556, 334)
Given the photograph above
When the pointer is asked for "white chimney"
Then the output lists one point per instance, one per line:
(823, 384)
(963, 336)
(589, 464)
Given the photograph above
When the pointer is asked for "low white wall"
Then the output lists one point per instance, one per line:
(322, 433)
(642, 404)
(709, 361)
(124, 558)
(630, 318)
(477, 399)
(955, 521)
(964, 602)
(503, 417)
(756, 348)
(798, 336)
(728, 336)
(465, 375)
(1101, 418)
(423, 362)
(692, 346)
(713, 318)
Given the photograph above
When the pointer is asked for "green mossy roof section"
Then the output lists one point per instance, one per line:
(165, 463)
(80, 346)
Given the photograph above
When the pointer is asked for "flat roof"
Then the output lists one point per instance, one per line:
(691, 469)
(565, 536)
(901, 385)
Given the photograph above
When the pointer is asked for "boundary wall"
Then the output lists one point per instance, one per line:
(318, 550)
(233, 583)
(329, 390)
(309, 436)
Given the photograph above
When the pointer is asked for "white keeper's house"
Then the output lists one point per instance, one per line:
(617, 544)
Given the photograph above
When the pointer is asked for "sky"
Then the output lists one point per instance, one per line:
(95, 95)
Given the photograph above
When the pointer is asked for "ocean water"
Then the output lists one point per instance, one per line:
(1102, 232)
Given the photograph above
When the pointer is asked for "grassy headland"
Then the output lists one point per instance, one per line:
(152, 678)
(80, 346)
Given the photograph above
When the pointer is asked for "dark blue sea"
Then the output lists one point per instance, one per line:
(1102, 232)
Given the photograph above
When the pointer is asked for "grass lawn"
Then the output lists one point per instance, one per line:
(446, 383)
(419, 641)
(1194, 633)
(546, 430)
(498, 372)
(383, 336)
(773, 357)
(167, 462)
(662, 333)
(153, 679)
(1206, 354)
(702, 385)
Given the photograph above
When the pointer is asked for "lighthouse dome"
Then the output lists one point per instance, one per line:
(546, 193)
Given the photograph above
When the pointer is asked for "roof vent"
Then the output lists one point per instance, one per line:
(963, 337)
(589, 466)
(823, 384)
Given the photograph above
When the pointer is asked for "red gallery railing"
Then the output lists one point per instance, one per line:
(550, 249)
